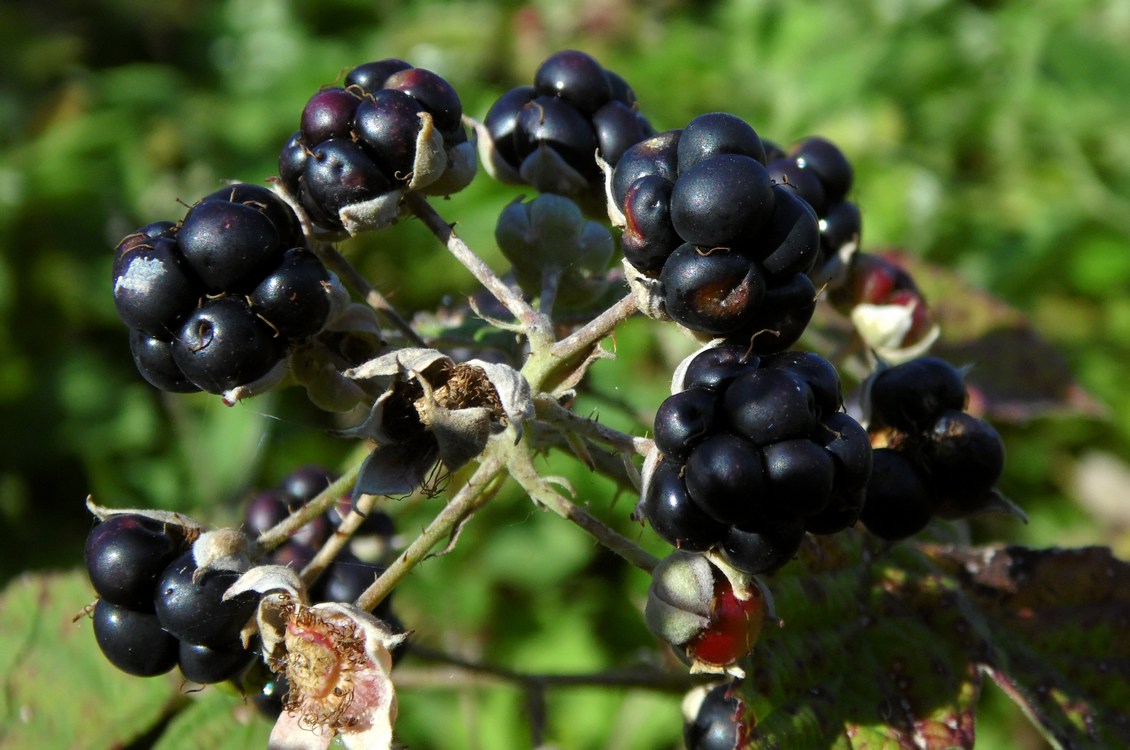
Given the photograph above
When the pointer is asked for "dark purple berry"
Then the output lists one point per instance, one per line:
(265, 201)
(340, 173)
(346, 578)
(721, 201)
(618, 127)
(265, 510)
(223, 344)
(154, 289)
(764, 550)
(716, 726)
(230, 246)
(328, 114)
(546, 121)
(387, 124)
(293, 298)
(126, 554)
(964, 456)
(791, 241)
(799, 476)
(912, 396)
(829, 163)
(767, 406)
(502, 121)
(684, 420)
(898, 502)
(803, 182)
(154, 359)
(292, 162)
(841, 512)
(206, 665)
(134, 642)
(294, 555)
(841, 224)
(850, 447)
(783, 316)
(673, 515)
(714, 368)
(819, 373)
(305, 483)
(371, 76)
(433, 93)
(621, 91)
(725, 477)
(714, 291)
(190, 603)
(576, 78)
(649, 237)
(717, 133)
(653, 156)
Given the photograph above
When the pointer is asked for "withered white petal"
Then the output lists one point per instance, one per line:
(264, 579)
(395, 363)
(290, 734)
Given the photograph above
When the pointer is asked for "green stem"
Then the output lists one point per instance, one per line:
(479, 489)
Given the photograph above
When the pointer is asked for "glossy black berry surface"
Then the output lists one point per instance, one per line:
(126, 554)
(762, 551)
(769, 405)
(134, 642)
(716, 133)
(153, 357)
(725, 476)
(190, 603)
(672, 513)
(716, 725)
(575, 77)
(722, 200)
(899, 503)
(224, 344)
(715, 291)
(911, 396)
(328, 114)
(154, 288)
(207, 665)
(294, 297)
(229, 246)
(684, 420)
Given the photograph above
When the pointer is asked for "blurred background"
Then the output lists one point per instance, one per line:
(988, 138)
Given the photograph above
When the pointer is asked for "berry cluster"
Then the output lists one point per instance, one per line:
(547, 134)
(752, 453)
(354, 568)
(156, 609)
(931, 457)
(730, 247)
(390, 127)
(212, 302)
(820, 173)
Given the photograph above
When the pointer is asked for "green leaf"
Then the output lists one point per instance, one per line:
(1059, 620)
(217, 721)
(885, 646)
(59, 691)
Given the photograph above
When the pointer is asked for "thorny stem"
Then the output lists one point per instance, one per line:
(522, 468)
(478, 490)
(538, 326)
(549, 410)
(282, 531)
(337, 541)
(597, 328)
(352, 278)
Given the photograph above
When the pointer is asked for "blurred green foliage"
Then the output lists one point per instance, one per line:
(987, 136)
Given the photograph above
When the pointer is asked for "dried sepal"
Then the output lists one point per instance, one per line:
(461, 169)
(192, 529)
(376, 213)
(648, 292)
(615, 212)
(431, 158)
(271, 379)
(222, 549)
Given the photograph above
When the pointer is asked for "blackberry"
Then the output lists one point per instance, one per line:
(229, 246)
(716, 291)
(153, 357)
(306, 482)
(804, 183)
(207, 665)
(293, 297)
(547, 134)
(717, 723)
(899, 503)
(224, 344)
(340, 173)
(717, 133)
(126, 554)
(820, 375)
(154, 288)
(964, 457)
(800, 476)
(673, 515)
(721, 201)
(387, 124)
(684, 420)
(657, 155)
(828, 162)
(433, 93)
(328, 114)
(716, 366)
(370, 77)
(132, 641)
(911, 396)
(769, 405)
(725, 477)
(764, 550)
(791, 242)
(785, 311)
(649, 237)
(190, 604)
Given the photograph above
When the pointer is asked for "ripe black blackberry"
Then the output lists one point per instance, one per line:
(390, 127)
(547, 135)
(213, 302)
(937, 459)
(716, 721)
(752, 452)
(730, 248)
